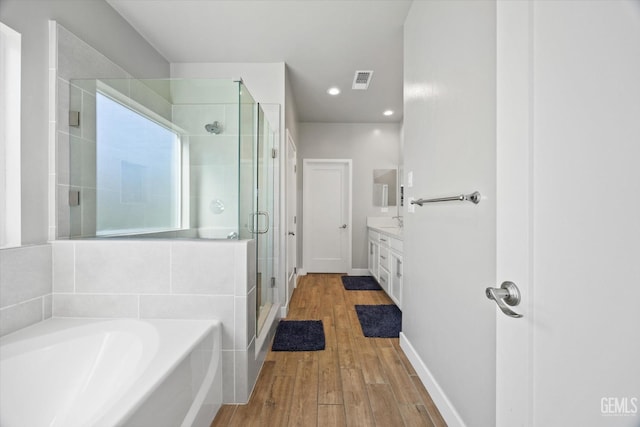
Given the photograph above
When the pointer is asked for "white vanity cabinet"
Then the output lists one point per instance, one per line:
(385, 263)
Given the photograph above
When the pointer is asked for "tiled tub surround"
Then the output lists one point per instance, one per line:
(128, 278)
(167, 279)
(25, 286)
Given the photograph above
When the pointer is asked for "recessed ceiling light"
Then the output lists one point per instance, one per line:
(333, 91)
(388, 113)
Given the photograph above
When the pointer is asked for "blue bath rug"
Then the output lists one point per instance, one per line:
(380, 321)
(299, 335)
(360, 283)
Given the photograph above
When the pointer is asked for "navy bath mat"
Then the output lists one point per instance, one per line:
(360, 283)
(299, 335)
(380, 321)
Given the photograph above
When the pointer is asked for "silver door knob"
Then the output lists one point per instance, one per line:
(343, 226)
(507, 293)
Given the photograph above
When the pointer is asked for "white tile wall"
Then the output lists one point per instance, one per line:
(193, 307)
(64, 266)
(228, 376)
(47, 306)
(25, 286)
(72, 150)
(71, 58)
(20, 316)
(26, 274)
(95, 305)
(169, 279)
(78, 60)
(241, 338)
(202, 268)
(122, 267)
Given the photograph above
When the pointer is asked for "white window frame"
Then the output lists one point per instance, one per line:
(10, 104)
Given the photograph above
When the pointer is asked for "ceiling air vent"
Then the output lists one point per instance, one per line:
(362, 79)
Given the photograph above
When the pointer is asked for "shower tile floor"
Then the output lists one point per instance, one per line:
(355, 381)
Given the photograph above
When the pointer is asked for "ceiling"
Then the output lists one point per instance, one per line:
(323, 43)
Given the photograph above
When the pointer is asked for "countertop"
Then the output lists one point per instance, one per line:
(390, 231)
(385, 225)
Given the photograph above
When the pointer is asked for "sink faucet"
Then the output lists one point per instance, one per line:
(400, 221)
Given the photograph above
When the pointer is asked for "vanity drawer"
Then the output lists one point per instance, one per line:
(384, 239)
(384, 258)
(396, 244)
(384, 280)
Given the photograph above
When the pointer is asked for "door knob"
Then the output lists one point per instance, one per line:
(291, 233)
(507, 294)
(343, 226)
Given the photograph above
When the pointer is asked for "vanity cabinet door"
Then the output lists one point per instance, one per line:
(396, 278)
(374, 250)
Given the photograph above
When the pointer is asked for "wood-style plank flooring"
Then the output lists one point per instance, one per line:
(355, 381)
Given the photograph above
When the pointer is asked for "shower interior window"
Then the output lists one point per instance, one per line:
(138, 170)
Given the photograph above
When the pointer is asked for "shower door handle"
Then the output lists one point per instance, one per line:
(266, 222)
(507, 294)
(254, 226)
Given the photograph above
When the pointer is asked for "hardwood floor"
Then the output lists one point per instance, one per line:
(355, 381)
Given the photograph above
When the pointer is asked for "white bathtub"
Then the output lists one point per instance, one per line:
(78, 372)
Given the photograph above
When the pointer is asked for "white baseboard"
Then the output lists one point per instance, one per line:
(441, 400)
(352, 272)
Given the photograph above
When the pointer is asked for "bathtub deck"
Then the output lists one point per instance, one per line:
(355, 381)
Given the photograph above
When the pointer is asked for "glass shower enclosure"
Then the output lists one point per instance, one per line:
(172, 158)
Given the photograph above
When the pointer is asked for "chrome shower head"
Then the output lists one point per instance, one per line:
(215, 127)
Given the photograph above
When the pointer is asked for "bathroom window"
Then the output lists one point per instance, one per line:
(10, 63)
(138, 171)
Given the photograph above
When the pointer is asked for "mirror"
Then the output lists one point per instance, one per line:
(385, 187)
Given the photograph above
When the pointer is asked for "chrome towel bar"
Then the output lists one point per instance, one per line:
(473, 197)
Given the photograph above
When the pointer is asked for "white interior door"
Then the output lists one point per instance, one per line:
(568, 218)
(327, 216)
(292, 239)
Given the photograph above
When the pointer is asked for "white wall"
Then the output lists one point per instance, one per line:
(290, 114)
(370, 146)
(450, 254)
(98, 24)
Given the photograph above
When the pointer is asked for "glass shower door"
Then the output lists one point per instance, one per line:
(264, 225)
(257, 198)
